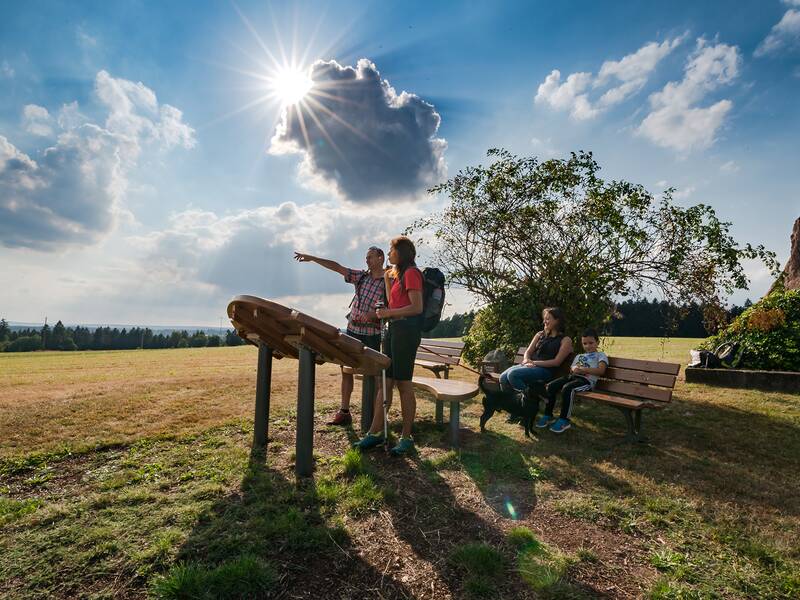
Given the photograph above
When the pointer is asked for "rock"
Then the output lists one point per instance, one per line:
(791, 272)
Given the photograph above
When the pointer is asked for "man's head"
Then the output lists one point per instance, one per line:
(374, 258)
(589, 340)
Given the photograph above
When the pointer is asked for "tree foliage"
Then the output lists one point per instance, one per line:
(523, 234)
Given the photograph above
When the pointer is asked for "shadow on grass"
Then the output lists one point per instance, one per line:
(267, 537)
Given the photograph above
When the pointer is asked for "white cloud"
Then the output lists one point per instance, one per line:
(361, 140)
(628, 76)
(684, 193)
(545, 148)
(730, 167)
(36, 120)
(675, 121)
(73, 192)
(784, 34)
(6, 71)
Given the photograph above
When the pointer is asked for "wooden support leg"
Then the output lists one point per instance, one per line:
(304, 446)
(439, 412)
(633, 418)
(367, 401)
(454, 423)
(263, 384)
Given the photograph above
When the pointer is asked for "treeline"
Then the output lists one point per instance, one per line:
(59, 337)
(633, 318)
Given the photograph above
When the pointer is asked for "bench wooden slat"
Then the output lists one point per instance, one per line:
(438, 350)
(440, 360)
(652, 366)
(448, 390)
(621, 401)
(433, 366)
(640, 377)
(634, 389)
(442, 343)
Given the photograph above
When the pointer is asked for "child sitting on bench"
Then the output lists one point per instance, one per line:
(585, 370)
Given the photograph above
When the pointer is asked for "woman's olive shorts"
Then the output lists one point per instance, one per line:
(402, 341)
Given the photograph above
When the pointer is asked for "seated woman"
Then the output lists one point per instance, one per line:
(544, 355)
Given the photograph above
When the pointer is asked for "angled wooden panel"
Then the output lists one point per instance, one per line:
(640, 377)
(445, 360)
(620, 401)
(634, 389)
(433, 349)
(448, 390)
(652, 366)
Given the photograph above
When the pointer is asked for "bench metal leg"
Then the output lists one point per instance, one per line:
(454, 423)
(633, 418)
(439, 412)
(367, 401)
(304, 446)
(263, 385)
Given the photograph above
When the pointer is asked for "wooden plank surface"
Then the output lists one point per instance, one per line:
(645, 377)
(621, 401)
(653, 366)
(442, 343)
(448, 390)
(634, 389)
(442, 360)
(433, 349)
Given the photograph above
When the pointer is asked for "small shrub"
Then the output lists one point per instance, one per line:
(27, 343)
(768, 333)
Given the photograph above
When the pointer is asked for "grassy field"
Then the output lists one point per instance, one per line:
(130, 474)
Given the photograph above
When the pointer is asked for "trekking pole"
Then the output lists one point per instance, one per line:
(379, 304)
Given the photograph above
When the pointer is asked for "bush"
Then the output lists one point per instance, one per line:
(214, 341)
(25, 344)
(768, 333)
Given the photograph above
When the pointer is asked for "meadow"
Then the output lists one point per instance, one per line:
(130, 474)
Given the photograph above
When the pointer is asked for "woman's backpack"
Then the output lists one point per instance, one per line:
(432, 297)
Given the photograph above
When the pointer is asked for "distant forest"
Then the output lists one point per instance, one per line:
(640, 318)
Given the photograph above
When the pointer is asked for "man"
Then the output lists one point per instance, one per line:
(362, 322)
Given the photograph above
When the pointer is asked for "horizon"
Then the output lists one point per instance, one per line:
(151, 164)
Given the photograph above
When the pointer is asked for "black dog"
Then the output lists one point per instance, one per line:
(523, 405)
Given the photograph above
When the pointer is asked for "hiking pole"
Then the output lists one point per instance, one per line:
(378, 305)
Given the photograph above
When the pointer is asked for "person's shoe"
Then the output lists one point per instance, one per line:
(544, 421)
(369, 441)
(561, 426)
(341, 418)
(404, 446)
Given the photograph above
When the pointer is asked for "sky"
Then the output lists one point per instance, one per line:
(155, 161)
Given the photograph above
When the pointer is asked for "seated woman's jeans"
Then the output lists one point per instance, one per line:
(520, 377)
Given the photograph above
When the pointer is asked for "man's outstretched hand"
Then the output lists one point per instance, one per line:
(300, 257)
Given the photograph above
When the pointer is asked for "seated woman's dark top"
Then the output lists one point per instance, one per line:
(547, 348)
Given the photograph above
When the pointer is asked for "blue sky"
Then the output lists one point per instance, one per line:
(148, 171)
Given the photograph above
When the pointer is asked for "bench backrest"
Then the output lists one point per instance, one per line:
(649, 379)
(629, 376)
(440, 351)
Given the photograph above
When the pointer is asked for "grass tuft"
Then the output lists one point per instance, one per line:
(482, 566)
(244, 577)
(11, 510)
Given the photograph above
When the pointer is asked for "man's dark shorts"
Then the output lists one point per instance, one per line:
(402, 341)
(370, 341)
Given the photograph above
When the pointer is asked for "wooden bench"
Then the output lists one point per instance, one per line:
(629, 385)
(439, 356)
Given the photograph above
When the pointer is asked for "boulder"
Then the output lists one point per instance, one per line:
(790, 277)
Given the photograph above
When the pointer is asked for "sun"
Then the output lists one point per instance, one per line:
(290, 85)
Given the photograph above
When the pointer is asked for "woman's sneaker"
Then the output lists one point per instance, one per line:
(369, 441)
(561, 426)
(544, 421)
(404, 446)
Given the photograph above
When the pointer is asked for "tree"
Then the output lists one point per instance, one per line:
(523, 234)
(4, 330)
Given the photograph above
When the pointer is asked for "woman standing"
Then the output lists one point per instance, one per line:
(404, 285)
(544, 355)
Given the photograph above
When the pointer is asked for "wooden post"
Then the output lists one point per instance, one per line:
(367, 402)
(263, 385)
(304, 446)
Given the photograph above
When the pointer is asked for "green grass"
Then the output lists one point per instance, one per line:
(124, 498)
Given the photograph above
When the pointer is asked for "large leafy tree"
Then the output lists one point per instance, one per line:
(522, 234)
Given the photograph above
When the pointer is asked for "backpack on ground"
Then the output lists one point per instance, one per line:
(432, 297)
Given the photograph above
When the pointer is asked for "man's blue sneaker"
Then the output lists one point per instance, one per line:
(369, 441)
(544, 421)
(561, 426)
(404, 446)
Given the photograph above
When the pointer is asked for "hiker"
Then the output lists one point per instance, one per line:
(404, 286)
(362, 322)
(585, 370)
(547, 350)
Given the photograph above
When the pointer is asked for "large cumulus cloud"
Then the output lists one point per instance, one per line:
(73, 191)
(361, 139)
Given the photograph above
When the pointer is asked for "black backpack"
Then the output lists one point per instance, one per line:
(432, 297)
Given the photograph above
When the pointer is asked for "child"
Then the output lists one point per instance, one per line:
(585, 370)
